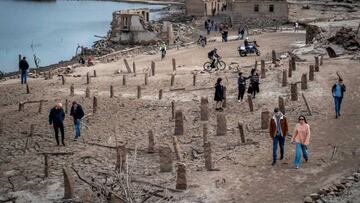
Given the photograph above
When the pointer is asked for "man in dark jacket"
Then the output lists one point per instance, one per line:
(338, 90)
(77, 113)
(242, 86)
(56, 118)
(23, 67)
(278, 131)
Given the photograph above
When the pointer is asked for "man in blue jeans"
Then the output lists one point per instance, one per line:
(77, 113)
(23, 67)
(278, 130)
(338, 90)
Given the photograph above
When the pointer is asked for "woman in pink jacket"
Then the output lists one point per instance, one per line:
(301, 139)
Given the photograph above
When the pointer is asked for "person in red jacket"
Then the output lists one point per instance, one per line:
(278, 130)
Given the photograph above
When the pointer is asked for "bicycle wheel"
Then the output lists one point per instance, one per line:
(207, 67)
(221, 65)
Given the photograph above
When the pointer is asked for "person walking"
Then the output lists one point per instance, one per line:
(278, 131)
(23, 67)
(219, 94)
(56, 118)
(254, 83)
(338, 90)
(77, 113)
(242, 86)
(301, 139)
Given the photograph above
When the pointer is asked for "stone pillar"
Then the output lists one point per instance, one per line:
(263, 70)
(304, 81)
(317, 64)
(241, 131)
(205, 132)
(134, 68)
(179, 123)
(68, 184)
(172, 109)
(311, 72)
(27, 88)
(290, 69)
(194, 79)
(282, 104)
(95, 75)
(72, 90)
(146, 79)
(174, 64)
(165, 155)
(111, 91)
(127, 66)
(124, 80)
(87, 92)
(153, 68)
(249, 100)
(160, 94)
(284, 79)
(221, 127)
(207, 156)
(224, 100)
(181, 182)
(293, 63)
(177, 149)
(88, 78)
(151, 148)
(95, 104)
(265, 118)
(294, 92)
(138, 92)
(273, 54)
(172, 80)
(204, 109)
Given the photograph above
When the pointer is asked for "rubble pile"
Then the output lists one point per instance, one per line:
(347, 38)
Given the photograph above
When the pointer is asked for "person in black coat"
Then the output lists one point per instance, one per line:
(337, 91)
(242, 86)
(56, 118)
(219, 94)
(77, 113)
(23, 67)
(254, 83)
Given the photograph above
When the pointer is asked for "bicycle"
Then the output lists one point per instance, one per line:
(218, 65)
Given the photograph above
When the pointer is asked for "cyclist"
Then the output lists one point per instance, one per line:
(163, 49)
(213, 56)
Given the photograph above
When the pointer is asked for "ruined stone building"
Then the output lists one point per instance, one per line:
(133, 27)
(250, 12)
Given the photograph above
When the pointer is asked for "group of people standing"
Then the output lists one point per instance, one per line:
(57, 117)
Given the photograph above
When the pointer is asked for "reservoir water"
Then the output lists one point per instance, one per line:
(52, 30)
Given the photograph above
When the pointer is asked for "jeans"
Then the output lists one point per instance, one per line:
(23, 77)
(281, 140)
(337, 101)
(58, 126)
(77, 128)
(300, 148)
(241, 92)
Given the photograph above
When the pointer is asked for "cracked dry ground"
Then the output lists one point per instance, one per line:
(245, 173)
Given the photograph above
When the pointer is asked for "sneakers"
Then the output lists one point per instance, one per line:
(273, 163)
(296, 167)
(281, 158)
(239, 101)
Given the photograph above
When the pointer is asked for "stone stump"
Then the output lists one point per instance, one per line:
(194, 79)
(273, 54)
(207, 156)
(293, 63)
(87, 92)
(284, 79)
(124, 80)
(181, 182)
(95, 104)
(304, 81)
(179, 123)
(282, 104)
(153, 68)
(265, 118)
(241, 131)
(204, 109)
(66, 106)
(221, 127)
(68, 184)
(72, 90)
(166, 162)
(263, 70)
(311, 72)
(294, 92)
(138, 92)
(250, 102)
(146, 79)
(172, 109)
(111, 91)
(160, 94)
(290, 70)
(134, 68)
(151, 148)
(40, 106)
(174, 64)
(317, 64)
(172, 80)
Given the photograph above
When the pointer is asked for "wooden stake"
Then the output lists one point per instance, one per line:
(46, 166)
(174, 64)
(40, 106)
(111, 91)
(263, 70)
(284, 79)
(241, 131)
(172, 80)
(138, 92)
(87, 92)
(72, 90)
(177, 149)
(153, 68)
(27, 88)
(273, 54)
(224, 100)
(304, 81)
(134, 68)
(311, 72)
(160, 94)
(146, 79)
(151, 148)
(265, 118)
(290, 69)
(251, 106)
(127, 66)
(66, 106)
(293, 63)
(124, 80)
(294, 92)
(307, 104)
(62, 79)
(88, 78)
(173, 109)
(317, 64)
(282, 104)
(194, 79)
(95, 75)
(95, 104)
